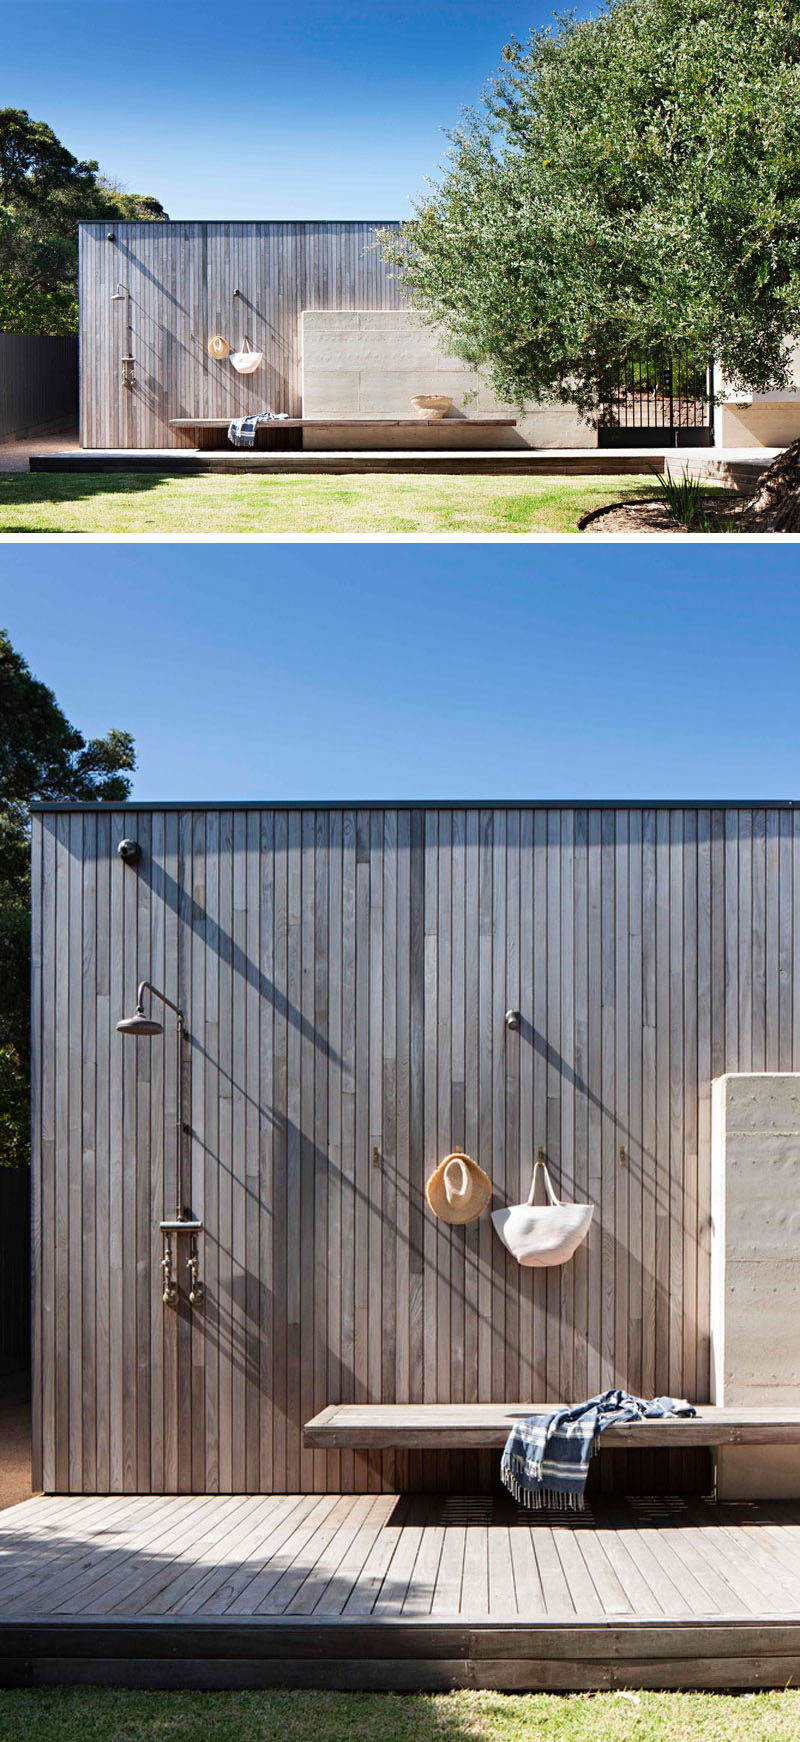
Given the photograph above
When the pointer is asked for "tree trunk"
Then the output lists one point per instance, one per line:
(776, 504)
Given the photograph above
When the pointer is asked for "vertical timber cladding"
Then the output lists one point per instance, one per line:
(345, 974)
(176, 284)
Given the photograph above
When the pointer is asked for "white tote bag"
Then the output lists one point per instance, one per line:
(246, 361)
(540, 1234)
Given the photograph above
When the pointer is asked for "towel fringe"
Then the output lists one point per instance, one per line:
(542, 1499)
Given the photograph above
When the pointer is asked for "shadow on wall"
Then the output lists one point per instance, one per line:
(540, 1335)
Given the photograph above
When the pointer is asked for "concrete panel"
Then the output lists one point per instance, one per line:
(758, 1472)
(763, 424)
(763, 1103)
(755, 1267)
(447, 433)
(371, 363)
(758, 420)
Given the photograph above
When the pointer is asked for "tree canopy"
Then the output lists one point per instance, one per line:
(628, 182)
(45, 192)
(41, 756)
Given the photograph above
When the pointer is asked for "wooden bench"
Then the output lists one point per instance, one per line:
(369, 432)
(212, 432)
(463, 1426)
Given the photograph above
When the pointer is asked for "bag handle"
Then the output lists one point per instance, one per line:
(548, 1184)
(456, 1178)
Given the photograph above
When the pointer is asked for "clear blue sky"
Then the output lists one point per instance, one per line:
(284, 108)
(349, 671)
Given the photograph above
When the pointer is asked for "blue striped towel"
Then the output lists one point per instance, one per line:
(242, 430)
(546, 1457)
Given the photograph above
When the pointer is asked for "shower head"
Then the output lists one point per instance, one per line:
(139, 1024)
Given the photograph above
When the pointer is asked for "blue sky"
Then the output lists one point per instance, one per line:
(285, 108)
(369, 671)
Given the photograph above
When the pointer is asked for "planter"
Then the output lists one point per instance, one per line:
(431, 405)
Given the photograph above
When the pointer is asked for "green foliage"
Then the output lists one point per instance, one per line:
(629, 181)
(41, 756)
(24, 308)
(683, 498)
(15, 1123)
(45, 192)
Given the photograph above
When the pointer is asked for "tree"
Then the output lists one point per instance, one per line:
(41, 756)
(775, 504)
(628, 182)
(45, 192)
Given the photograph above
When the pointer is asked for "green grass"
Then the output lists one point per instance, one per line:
(113, 1715)
(378, 502)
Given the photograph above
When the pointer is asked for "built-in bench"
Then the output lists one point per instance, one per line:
(326, 434)
(463, 1426)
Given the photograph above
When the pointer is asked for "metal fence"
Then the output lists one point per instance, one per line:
(664, 398)
(38, 384)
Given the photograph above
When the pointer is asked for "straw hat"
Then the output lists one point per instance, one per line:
(458, 1189)
(218, 347)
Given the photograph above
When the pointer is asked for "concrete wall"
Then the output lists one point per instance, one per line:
(755, 1268)
(372, 363)
(758, 420)
(761, 424)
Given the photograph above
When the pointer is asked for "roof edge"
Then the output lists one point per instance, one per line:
(415, 804)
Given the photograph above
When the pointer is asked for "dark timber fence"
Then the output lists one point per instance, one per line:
(15, 1292)
(38, 383)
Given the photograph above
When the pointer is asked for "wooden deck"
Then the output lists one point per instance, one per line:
(485, 462)
(377, 1590)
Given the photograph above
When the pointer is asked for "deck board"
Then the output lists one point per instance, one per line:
(455, 1585)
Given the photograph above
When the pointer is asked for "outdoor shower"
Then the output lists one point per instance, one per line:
(122, 294)
(144, 1027)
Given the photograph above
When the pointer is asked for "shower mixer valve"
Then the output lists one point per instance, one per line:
(197, 1292)
(170, 1295)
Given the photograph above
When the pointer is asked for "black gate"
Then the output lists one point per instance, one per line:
(661, 400)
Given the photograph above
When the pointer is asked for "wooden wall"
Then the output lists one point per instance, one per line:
(345, 974)
(179, 281)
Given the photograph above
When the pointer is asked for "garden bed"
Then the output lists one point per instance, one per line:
(646, 517)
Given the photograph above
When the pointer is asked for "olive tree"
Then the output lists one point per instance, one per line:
(628, 182)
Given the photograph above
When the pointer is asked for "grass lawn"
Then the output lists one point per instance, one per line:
(226, 503)
(113, 1715)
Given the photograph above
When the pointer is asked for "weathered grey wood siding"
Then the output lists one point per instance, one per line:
(345, 974)
(179, 280)
(38, 383)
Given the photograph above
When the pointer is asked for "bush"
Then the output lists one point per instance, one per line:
(25, 308)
